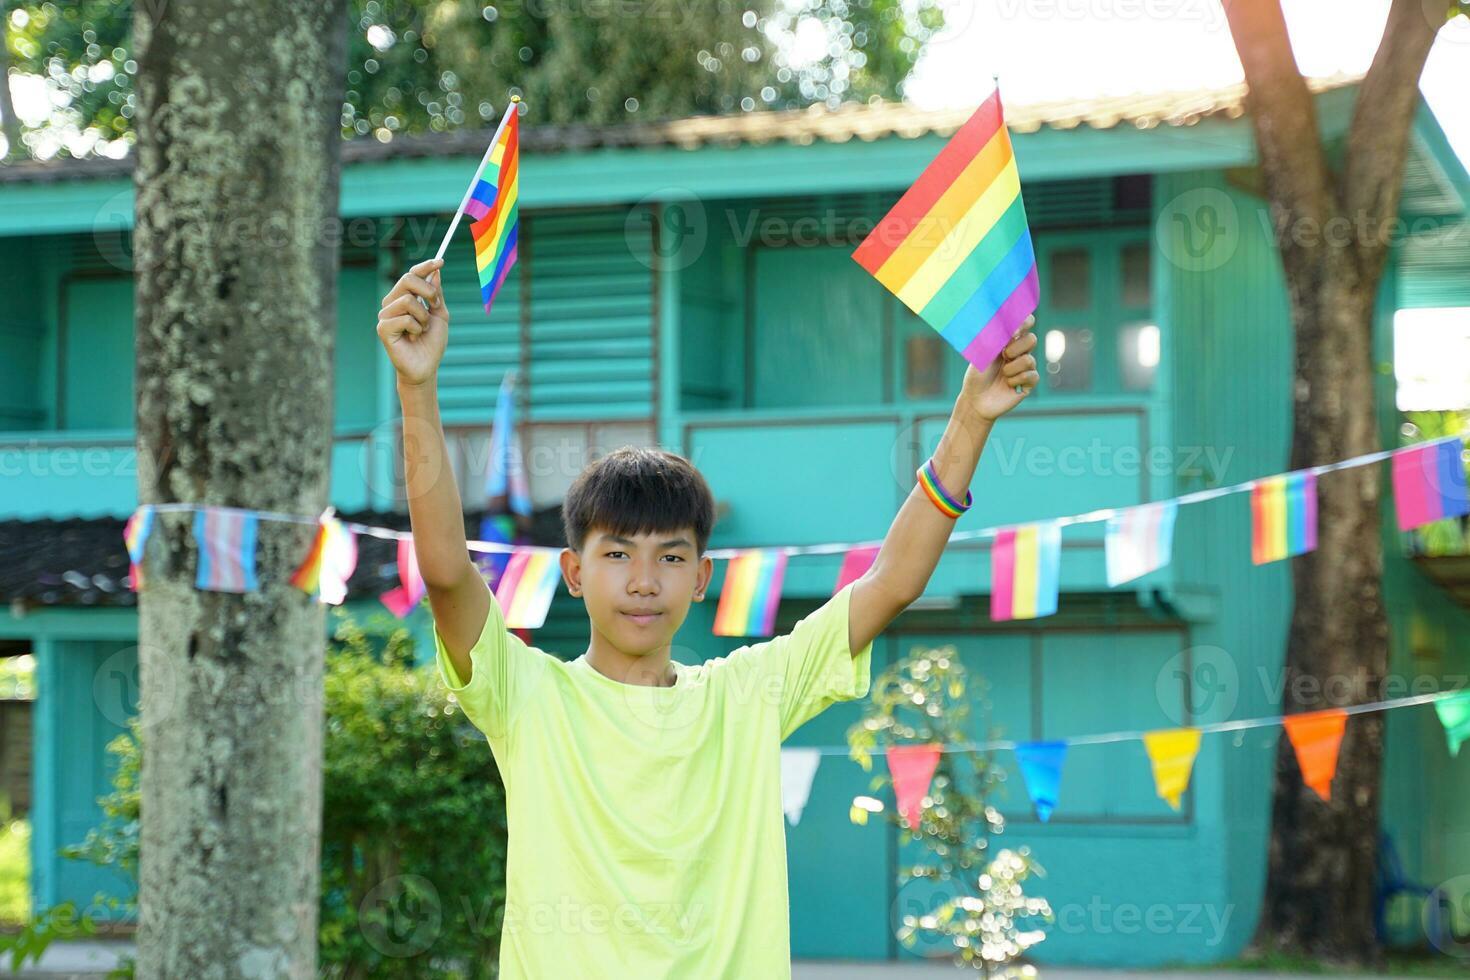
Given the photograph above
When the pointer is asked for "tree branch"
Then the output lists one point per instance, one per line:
(1378, 140)
(1284, 116)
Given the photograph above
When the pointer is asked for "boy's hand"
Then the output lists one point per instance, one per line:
(414, 335)
(992, 392)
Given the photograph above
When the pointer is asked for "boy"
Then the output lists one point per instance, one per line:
(643, 796)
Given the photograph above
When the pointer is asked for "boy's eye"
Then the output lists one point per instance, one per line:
(613, 554)
(675, 557)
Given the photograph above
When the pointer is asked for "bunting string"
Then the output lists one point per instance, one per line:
(841, 547)
(1204, 728)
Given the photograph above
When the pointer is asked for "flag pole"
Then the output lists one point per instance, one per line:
(515, 101)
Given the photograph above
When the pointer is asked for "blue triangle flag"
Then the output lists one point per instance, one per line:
(1041, 767)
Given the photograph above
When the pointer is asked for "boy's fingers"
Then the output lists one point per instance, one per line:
(411, 284)
(425, 267)
(1025, 344)
(407, 304)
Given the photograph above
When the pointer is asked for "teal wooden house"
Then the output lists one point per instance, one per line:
(689, 283)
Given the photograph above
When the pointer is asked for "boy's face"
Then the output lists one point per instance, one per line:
(638, 588)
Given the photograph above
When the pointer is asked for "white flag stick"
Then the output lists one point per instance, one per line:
(515, 101)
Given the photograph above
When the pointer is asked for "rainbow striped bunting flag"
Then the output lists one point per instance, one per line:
(751, 593)
(226, 541)
(956, 248)
(1283, 516)
(330, 563)
(527, 587)
(494, 203)
(1024, 564)
(406, 595)
(135, 536)
(1429, 483)
(1139, 540)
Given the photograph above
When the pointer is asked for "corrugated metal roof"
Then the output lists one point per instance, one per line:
(857, 121)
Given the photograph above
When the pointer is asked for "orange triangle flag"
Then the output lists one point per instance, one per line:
(1316, 736)
(912, 767)
(1172, 752)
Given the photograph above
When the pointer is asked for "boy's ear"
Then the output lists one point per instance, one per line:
(702, 580)
(571, 570)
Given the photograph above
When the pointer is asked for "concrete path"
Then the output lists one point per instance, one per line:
(90, 959)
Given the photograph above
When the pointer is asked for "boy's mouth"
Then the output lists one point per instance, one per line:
(642, 616)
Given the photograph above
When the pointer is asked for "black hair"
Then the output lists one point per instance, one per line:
(635, 490)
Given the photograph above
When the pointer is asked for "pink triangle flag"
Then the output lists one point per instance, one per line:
(912, 767)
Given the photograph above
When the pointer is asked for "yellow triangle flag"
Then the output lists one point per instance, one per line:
(1172, 752)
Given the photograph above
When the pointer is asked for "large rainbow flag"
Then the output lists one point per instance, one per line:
(494, 203)
(956, 248)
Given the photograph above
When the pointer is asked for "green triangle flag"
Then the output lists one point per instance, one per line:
(1454, 715)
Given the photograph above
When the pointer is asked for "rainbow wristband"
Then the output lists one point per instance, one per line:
(948, 506)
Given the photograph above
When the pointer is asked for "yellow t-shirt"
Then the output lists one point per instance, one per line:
(646, 836)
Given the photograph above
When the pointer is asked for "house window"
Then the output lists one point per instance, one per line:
(1068, 356)
(1095, 319)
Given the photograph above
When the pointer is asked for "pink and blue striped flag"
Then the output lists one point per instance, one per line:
(527, 587)
(1429, 483)
(751, 593)
(956, 248)
(226, 541)
(409, 592)
(1283, 516)
(1139, 540)
(135, 536)
(1025, 563)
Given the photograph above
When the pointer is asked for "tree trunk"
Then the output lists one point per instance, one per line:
(1319, 894)
(236, 190)
(1333, 230)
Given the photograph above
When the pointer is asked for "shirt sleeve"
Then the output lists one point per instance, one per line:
(815, 665)
(505, 672)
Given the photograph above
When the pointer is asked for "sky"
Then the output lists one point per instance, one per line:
(1057, 49)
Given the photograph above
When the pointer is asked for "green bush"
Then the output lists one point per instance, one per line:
(413, 819)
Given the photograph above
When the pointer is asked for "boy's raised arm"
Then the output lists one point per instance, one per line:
(917, 537)
(415, 337)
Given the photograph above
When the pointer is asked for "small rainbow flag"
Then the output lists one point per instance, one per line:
(1024, 565)
(751, 593)
(1429, 483)
(956, 248)
(226, 541)
(1283, 516)
(527, 587)
(406, 595)
(135, 536)
(494, 203)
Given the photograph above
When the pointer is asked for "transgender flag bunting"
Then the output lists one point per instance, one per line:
(226, 541)
(1139, 540)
